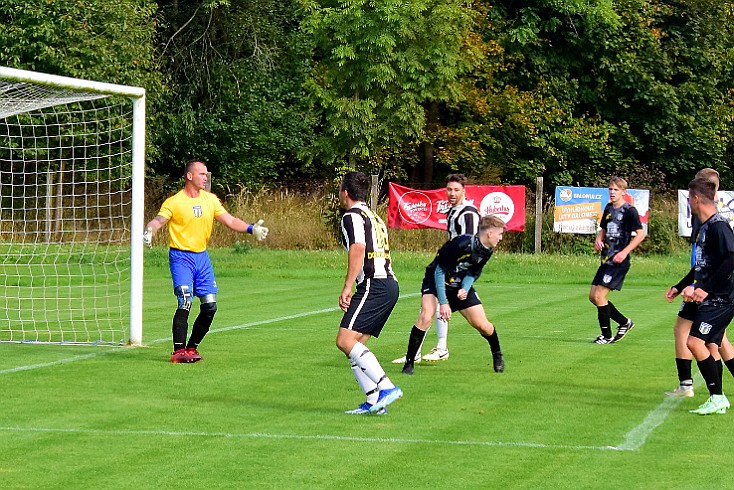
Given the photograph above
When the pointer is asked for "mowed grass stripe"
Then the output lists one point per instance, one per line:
(265, 409)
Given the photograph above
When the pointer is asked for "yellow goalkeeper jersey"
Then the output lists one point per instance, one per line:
(190, 220)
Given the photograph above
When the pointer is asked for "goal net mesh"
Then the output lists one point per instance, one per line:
(65, 215)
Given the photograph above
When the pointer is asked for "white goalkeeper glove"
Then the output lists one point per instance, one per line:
(148, 237)
(259, 230)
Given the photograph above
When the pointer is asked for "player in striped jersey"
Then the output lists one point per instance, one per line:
(364, 235)
(462, 219)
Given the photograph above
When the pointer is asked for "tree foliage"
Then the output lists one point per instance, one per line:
(237, 68)
(581, 90)
(377, 63)
(506, 90)
(93, 39)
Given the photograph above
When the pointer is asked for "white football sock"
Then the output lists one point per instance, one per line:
(442, 332)
(368, 386)
(370, 366)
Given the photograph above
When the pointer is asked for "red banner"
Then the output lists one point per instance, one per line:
(412, 209)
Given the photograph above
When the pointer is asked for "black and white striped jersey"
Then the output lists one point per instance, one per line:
(360, 225)
(463, 219)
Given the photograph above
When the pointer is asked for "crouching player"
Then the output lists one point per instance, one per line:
(449, 283)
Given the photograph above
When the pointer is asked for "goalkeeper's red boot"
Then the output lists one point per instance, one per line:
(193, 354)
(181, 356)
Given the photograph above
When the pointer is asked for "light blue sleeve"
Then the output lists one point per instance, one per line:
(467, 282)
(693, 255)
(440, 277)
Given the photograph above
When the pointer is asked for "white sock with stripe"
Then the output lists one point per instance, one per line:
(368, 386)
(370, 366)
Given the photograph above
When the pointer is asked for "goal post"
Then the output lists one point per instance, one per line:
(72, 166)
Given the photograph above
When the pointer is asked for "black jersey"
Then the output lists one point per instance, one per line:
(360, 225)
(463, 255)
(695, 225)
(714, 241)
(462, 219)
(618, 225)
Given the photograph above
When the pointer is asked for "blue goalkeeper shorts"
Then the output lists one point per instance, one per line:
(192, 269)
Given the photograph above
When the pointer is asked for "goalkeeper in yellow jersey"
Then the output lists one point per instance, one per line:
(190, 215)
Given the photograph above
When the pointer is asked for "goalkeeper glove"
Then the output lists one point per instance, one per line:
(148, 237)
(259, 230)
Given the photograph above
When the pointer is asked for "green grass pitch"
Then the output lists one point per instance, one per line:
(265, 407)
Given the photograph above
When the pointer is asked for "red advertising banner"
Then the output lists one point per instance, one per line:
(413, 209)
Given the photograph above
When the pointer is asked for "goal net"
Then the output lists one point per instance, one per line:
(71, 176)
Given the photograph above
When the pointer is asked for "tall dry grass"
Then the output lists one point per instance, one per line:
(296, 221)
(309, 220)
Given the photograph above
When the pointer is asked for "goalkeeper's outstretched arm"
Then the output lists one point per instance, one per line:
(236, 224)
(151, 228)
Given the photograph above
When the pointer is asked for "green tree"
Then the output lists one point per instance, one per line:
(378, 65)
(237, 68)
(111, 42)
(94, 39)
(576, 90)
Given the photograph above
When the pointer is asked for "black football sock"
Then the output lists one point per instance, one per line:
(615, 315)
(198, 331)
(720, 367)
(202, 323)
(710, 372)
(730, 365)
(180, 328)
(414, 343)
(684, 371)
(603, 315)
(494, 342)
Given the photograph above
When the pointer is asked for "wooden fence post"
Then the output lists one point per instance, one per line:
(538, 214)
(374, 193)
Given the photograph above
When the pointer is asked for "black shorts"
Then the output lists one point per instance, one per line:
(688, 310)
(472, 298)
(611, 276)
(371, 305)
(711, 321)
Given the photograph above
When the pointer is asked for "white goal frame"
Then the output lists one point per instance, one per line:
(137, 96)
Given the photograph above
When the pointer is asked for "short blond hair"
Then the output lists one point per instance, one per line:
(619, 182)
(709, 174)
(491, 221)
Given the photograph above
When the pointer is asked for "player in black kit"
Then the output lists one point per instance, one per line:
(449, 283)
(462, 219)
(621, 232)
(708, 292)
